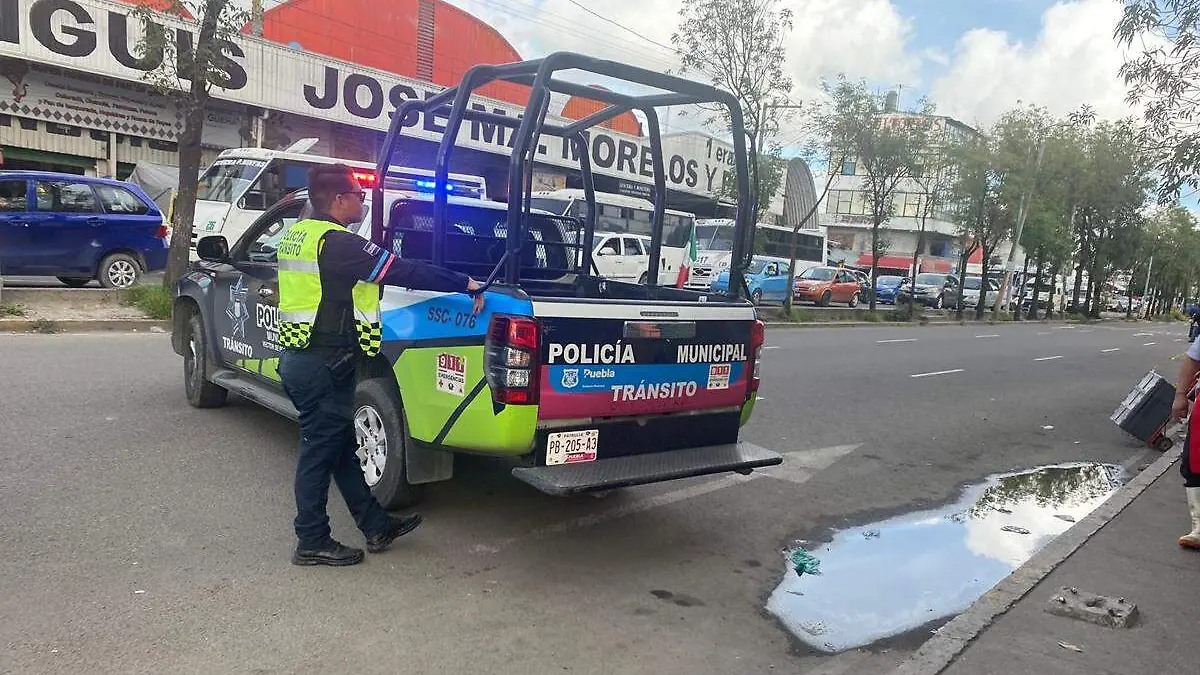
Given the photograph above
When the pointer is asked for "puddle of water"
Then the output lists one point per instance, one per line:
(884, 579)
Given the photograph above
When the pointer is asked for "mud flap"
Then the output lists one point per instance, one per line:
(423, 464)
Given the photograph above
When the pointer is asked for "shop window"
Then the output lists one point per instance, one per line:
(165, 146)
(98, 135)
(940, 249)
(5, 120)
(27, 124)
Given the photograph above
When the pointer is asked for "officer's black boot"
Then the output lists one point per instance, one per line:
(333, 554)
(397, 527)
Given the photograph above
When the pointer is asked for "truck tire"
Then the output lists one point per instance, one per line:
(382, 435)
(119, 270)
(200, 392)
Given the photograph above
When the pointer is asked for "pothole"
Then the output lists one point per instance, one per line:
(883, 579)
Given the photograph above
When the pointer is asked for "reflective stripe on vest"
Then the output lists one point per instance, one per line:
(300, 290)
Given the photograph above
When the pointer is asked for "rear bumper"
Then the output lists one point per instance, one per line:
(617, 472)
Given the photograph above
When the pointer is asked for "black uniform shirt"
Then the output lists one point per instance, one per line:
(345, 259)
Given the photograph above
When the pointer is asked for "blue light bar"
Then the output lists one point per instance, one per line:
(430, 185)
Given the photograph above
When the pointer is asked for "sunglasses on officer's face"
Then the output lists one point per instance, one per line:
(362, 195)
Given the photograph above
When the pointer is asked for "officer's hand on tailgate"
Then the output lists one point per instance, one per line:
(472, 287)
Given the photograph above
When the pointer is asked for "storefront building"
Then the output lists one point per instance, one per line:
(78, 95)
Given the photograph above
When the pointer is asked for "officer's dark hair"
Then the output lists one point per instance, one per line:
(326, 182)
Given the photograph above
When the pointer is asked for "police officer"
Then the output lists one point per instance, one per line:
(329, 290)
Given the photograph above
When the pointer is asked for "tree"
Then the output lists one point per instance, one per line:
(885, 145)
(1164, 76)
(187, 69)
(983, 214)
(935, 178)
(738, 46)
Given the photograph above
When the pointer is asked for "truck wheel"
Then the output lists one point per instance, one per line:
(381, 434)
(75, 282)
(119, 270)
(200, 392)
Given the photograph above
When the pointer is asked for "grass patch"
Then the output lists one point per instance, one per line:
(872, 317)
(154, 300)
(12, 309)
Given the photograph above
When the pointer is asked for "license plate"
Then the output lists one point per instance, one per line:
(571, 447)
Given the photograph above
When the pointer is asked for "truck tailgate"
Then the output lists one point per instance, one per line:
(606, 360)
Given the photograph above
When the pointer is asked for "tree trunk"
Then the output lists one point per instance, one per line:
(1053, 287)
(875, 260)
(195, 110)
(962, 274)
(1074, 299)
(1037, 286)
(1129, 299)
(983, 289)
(1021, 293)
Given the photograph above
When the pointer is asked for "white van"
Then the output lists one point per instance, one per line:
(622, 222)
(243, 182)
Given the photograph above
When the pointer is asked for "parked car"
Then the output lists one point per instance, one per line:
(970, 292)
(766, 278)
(625, 257)
(78, 229)
(824, 285)
(888, 287)
(930, 289)
(864, 283)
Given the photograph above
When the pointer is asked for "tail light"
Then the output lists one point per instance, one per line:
(163, 232)
(757, 337)
(512, 349)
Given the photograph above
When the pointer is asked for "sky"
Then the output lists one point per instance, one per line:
(973, 59)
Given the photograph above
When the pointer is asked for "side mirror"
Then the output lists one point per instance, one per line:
(213, 248)
(605, 251)
(254, 201)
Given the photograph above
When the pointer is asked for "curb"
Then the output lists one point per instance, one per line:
(953, 638)
(117, 325)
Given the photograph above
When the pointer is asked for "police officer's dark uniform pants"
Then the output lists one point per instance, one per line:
(320, 381)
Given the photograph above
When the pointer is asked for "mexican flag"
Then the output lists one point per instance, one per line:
(689, 258)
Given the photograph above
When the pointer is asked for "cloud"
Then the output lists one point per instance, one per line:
(1073, 60)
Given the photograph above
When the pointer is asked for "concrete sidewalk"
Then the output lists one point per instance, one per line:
(1134, 556)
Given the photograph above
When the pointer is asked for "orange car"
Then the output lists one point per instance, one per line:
(824, 285)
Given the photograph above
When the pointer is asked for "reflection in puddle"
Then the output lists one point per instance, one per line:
(885, 578)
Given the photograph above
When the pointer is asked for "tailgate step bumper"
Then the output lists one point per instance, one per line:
(605, 474)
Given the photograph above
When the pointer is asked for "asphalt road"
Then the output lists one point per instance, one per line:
(52, 282)
(143, 536)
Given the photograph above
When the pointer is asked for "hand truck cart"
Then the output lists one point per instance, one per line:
(1145, 413)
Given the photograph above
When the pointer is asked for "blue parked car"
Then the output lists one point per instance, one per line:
(887, 288)
(79, 229)
(767, 279)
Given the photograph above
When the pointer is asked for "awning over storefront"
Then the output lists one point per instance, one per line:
(901, 262)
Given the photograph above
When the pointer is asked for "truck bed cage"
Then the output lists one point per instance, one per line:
(540, 76)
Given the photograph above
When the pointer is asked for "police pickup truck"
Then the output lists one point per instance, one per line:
(584, 383)
(582, 395)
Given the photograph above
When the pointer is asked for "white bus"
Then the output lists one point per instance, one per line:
(629, 216)
(243, 182)
(714, 239)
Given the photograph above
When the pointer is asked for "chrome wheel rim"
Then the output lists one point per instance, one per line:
(121, 273)
(372, 444)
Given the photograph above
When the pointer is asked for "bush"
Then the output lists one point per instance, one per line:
(154, 300)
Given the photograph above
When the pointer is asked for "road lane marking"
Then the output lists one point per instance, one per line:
(991, 335)
(938, 372)
(1048, 358)
(1149, 344)
(771, 347)
(1045, 333)
(1106, 351)
(883, 342)
(798, 467)
(1143, 335)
